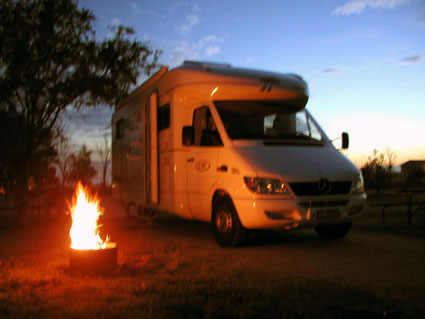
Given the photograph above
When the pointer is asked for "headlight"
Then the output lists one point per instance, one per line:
(266, 186)
(358, 185)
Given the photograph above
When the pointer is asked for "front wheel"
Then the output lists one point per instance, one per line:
(226, 226)
(333, 231)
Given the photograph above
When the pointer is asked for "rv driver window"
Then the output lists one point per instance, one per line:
(205, 130)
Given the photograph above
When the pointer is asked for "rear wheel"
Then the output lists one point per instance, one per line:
(226, 226)
(333, 231)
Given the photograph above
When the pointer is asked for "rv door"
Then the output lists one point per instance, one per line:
(152, 195)
(201, 162)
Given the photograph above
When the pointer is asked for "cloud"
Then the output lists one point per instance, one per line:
(184, 51)
(356, 34)
(207, 46)
(115, 21)
(358, 6)
(87, 124)
(196, 7)
(414, 59)
(212, 50)
(210, 38)
(191, 20)
(329, 71)
(350, 7)
(135, 7)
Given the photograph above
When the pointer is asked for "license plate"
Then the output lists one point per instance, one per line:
(327, 213)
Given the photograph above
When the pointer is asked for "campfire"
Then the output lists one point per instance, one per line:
(88, 252)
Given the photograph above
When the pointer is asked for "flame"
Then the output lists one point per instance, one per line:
(85, 213)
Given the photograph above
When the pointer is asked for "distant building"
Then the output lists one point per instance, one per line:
(413, 166)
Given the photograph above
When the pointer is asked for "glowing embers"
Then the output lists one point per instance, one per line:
(88, 252)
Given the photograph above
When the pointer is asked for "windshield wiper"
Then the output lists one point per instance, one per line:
(291, 139)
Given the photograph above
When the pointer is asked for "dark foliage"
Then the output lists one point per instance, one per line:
(50, 60)
(81, 167)
(15, 139)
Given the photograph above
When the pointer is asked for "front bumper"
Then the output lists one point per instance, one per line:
(287, 213)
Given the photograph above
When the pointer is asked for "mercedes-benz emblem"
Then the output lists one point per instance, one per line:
(324, 186)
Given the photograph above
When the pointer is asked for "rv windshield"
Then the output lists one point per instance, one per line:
(270, 122)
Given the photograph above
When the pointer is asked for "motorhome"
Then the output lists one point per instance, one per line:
(233, 147)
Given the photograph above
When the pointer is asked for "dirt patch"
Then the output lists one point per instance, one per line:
(174, 269)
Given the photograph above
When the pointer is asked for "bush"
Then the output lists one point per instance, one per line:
(378, 170)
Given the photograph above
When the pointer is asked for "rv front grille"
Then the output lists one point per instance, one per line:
(315, 189)
(321, 204)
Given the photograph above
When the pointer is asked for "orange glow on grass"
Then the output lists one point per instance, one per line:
(85, 213)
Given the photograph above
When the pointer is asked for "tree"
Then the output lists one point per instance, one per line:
(15, 134)
(50, 59)
(391, 157)
(103, 151)
(81, 167)
(64, 157)
(378, 170)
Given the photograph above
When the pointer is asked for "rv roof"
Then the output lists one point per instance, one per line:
(195, 72)
(206, 65)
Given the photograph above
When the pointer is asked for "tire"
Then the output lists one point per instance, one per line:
(226, 226)
(333, 232)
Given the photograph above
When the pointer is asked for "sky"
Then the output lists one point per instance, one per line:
(362, 59)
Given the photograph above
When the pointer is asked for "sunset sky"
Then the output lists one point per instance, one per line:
(363, 59)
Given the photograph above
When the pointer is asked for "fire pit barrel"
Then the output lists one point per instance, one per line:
(97, 261)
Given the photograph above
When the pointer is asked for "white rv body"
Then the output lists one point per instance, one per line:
(153, 170)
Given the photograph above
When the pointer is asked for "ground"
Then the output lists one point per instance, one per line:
(174, 269)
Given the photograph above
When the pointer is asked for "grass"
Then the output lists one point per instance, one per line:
(174, 269)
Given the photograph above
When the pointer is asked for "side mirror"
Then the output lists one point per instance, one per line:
(345, 140)
(187, 135)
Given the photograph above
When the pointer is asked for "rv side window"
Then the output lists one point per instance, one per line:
(164, 117)
(204, 128)
(119, 130)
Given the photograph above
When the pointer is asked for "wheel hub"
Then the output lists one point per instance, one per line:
(224, 221)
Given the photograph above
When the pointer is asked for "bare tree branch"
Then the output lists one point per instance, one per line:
(64, 149)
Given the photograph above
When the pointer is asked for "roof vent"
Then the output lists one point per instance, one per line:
(206, 66)
(296, 76)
